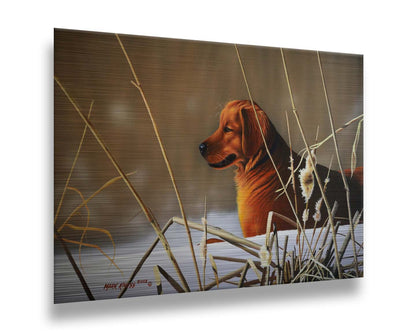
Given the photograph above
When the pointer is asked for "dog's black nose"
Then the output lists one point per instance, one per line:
(203, 149)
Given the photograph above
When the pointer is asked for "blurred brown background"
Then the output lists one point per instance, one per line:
(186, 84)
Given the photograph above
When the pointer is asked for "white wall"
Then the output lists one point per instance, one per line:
(382, 31)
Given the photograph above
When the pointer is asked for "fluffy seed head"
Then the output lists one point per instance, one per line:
(305, 215)
(317, 216)
(265, 256)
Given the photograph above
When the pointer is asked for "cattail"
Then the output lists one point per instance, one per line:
(305, 215)
(317, 215)
(306, 177)
(203, 244)
(265, 257)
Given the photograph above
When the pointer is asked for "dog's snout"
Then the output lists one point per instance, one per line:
(203, 148)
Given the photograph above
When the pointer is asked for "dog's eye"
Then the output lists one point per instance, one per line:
(227, 129)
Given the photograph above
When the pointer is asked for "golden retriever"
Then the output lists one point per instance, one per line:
(238, 141)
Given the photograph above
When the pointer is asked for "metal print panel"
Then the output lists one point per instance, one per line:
(187, 166)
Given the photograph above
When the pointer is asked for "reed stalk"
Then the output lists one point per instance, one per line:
(144, 258)
(215, 270)
(225, 278)
(137, 84)
(348, 123)
(292, 169)
(171, 280)
(205, 237)
(225, 235)
(284, 258)
(313, 164)
(341, 170)
(74, 162)
(84, 230)
(243, 275)
(158, 280)
(74, 266)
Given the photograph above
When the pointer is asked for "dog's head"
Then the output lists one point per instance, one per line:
(238, 138)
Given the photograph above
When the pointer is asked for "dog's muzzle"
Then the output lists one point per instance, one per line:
(226, 161)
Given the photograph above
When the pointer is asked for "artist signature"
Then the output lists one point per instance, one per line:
(122, 285)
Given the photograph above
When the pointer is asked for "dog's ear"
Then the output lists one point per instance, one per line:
(252, 140)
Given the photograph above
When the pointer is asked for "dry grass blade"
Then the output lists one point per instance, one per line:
(265, 277)
(102, 230)
(225, 278)
(137, 84)
(332, 243)
(66, 240)
(74, 266)
(277, 268)
(254, 268)
(84, 230)
(354, 148)
(284, 258)
(73, 165)
(319, 144)
(139, 200)
(323, 244)
(286, 219)
(144, 258)
(292, 168)
(347, 239)
(243, 275)
(204, 249)
(76, 210)
(313, 165)
(158, 279)
(171, 280)
(203, 244)
(215, 269)
(256, 263)
(225, 235)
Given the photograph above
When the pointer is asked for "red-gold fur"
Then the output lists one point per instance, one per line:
(238, 142)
